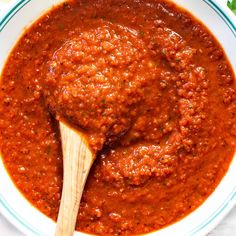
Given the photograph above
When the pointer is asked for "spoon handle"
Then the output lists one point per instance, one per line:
(77, 161)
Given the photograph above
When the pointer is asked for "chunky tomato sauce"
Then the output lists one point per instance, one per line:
(150, 87)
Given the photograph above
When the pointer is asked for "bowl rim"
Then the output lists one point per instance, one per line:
(210, 223)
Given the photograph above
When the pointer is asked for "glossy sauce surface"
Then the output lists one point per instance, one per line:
(152, 89)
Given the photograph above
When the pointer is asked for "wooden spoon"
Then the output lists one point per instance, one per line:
(77, 161)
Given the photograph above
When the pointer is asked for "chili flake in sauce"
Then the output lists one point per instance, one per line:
(152, 89)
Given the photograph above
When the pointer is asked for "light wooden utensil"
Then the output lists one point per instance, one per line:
(77, 161)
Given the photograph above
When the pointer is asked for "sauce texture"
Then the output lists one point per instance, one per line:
(153, 91)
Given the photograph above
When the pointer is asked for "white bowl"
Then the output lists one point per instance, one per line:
(222, 23)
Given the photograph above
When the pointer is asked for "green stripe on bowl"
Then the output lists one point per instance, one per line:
(222, 15)
(12, 12)
(25, 224)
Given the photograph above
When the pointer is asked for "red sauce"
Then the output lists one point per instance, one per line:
(153, 91)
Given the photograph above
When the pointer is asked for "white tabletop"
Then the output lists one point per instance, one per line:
(226, 228)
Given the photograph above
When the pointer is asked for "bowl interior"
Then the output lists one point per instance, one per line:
(28, 219)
